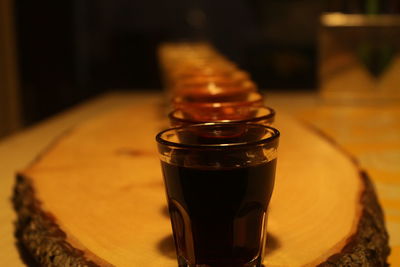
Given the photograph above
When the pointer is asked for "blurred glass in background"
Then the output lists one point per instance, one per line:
(359, 57)
(359, 51)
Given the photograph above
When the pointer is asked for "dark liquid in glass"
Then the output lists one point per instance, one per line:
(218, 214)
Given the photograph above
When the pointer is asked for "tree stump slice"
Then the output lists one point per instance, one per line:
(95, 197)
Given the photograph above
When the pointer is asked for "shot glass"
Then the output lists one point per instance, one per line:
(239, 114)
(228, 104)
(219, 180)
(212, 90)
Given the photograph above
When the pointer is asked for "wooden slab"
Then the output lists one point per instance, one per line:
(96, 198)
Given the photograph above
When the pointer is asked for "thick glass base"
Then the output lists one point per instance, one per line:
(254, 263)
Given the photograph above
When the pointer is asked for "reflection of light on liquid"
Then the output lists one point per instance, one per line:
(213, 89)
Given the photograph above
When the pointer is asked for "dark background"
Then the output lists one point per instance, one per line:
(71, 50)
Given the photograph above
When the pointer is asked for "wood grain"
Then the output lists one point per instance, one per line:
(96, 198)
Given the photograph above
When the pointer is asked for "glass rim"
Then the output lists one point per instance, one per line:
(245, 85)
(211, 75)
(187, 89)
(178, 102)
(268, 116)
(275, 135)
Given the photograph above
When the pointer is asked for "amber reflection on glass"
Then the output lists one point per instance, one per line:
(243, 114)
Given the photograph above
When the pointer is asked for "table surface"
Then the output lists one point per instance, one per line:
(370, 132)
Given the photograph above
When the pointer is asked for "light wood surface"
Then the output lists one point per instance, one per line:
(17, 151)
(103, 185)
(152, 239)
(371, 133)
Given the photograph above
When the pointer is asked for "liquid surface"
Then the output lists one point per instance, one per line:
(218, 214)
